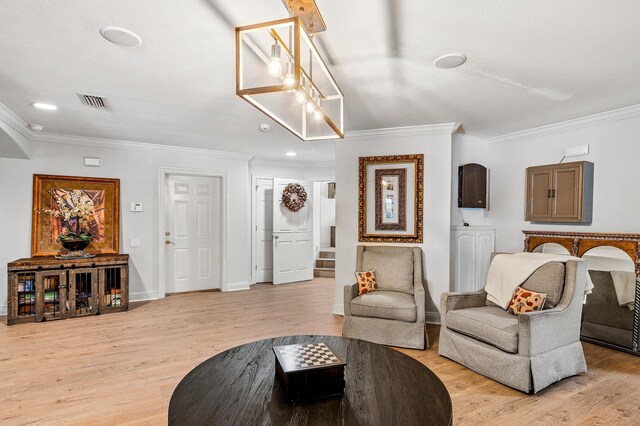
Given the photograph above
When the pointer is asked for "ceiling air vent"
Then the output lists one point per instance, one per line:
(93, 101)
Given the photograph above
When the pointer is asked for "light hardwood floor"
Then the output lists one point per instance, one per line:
(122, 368)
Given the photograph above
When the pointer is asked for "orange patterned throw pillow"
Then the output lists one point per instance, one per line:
(366, 281)
(526, 301)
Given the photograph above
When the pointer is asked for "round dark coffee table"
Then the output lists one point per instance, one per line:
(383, 387)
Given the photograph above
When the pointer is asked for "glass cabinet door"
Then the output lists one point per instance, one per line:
(83, 292)
(113, 291)
(51, 295)
(22, 297)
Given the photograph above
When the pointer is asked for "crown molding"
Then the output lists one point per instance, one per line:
(18, 124)
(569, 125)
(430, 129)
(293, 164)
(119, 143)
(10, 118)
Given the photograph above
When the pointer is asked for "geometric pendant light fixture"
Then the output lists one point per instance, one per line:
(280, 72)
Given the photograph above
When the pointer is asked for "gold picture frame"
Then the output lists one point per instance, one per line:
(412, 203)
(46, 226)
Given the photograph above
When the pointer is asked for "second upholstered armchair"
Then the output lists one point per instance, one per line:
(395, 313)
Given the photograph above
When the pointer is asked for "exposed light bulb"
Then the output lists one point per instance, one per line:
(289, 79)
(300, 97)
(317, 115)
(310, 107)
(275, 66)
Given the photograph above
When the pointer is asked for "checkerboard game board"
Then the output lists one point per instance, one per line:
(306, 355)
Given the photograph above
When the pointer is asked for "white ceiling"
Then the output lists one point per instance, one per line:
(530, 63)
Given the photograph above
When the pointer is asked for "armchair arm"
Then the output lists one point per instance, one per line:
(451, 301)
(545, 330)
(350, 292)
(419, 296)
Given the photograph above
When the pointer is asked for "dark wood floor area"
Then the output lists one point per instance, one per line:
(122, 368)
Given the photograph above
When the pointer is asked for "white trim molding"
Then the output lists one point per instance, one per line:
(293, 164)
(3, 309)
(117, 143)
(569, 125)
(431, 129)
(338, 309)
(143, 295)
(238, 286)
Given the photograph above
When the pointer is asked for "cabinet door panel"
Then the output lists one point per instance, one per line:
(566, 195)
(539, 185)
(51, 292)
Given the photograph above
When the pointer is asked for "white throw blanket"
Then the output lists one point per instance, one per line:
(508, 271)
(625, 286)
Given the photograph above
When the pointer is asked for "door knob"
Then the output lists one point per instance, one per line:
(169, 242)
(276, 236)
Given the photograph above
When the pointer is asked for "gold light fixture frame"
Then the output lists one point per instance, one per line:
(299, 36)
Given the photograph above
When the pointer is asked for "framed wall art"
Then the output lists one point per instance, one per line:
(70, 204)
(390, 190)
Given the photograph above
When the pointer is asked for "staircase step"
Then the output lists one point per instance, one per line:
(324, 272)
(326, 263)
(327, 254)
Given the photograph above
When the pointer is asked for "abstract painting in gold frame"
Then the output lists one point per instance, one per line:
(408, 168)
(57, 196)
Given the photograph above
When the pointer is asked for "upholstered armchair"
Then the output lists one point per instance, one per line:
(529, 351)
(394, 314)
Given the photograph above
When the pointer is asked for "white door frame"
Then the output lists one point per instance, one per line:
(164, 172)
(254, 212)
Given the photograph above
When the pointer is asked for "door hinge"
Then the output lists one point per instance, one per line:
(256, 267)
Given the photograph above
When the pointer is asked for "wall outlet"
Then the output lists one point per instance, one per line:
(136, 207)
(576, 150)
(135, 242)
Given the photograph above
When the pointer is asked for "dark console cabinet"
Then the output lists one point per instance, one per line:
(45, 288)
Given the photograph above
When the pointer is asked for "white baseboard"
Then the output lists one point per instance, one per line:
(143, 295)
(3, 309)
(238, 286)
(338, 309)
(432, 317)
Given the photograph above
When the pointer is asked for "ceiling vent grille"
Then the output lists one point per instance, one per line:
(93, 101)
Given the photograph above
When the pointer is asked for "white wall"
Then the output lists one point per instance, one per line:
(435, 143)
(468, 149)
(138, 170)
(614, 150)
(327, 214)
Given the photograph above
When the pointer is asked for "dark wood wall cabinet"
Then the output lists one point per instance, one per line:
(560, 193)
(45, 288)
(472, 186)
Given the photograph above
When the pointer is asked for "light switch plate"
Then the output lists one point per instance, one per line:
(576, 150)
(135, 242)
(136, 207)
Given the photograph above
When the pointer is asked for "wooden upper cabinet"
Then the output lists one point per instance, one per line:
(560, 193)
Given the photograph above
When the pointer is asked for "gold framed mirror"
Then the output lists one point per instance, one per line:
(390, 191)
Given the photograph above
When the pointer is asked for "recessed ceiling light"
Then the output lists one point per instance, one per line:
(450, 60)
(42, 105)
(291, 154)
(121, 36)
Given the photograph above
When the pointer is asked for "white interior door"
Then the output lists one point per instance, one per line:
(264, 230)
(193, 239)
(292, 237)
